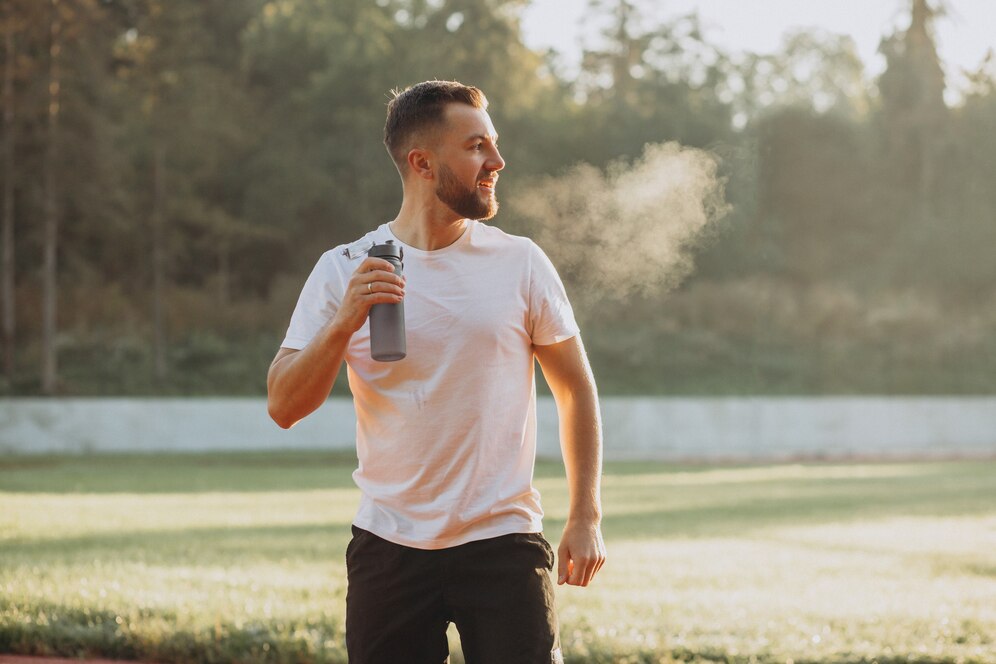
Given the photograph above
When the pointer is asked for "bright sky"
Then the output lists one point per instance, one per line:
(964, 35)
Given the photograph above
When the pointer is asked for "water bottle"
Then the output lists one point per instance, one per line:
(387, 321)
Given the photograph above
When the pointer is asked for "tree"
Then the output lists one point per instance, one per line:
(965, 240)
(914, 115)
(812, 70)
(647, 83)
(190, 134)
(12, 23)
(813, 204)
(52, 196)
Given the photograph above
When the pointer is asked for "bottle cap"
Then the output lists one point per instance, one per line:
(387, 250)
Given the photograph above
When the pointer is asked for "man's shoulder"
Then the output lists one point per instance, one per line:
(496, 236)
(352, 253)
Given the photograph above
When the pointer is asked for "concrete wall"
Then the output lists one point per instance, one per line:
(635, 428)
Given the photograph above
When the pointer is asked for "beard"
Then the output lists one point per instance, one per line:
(466, 202)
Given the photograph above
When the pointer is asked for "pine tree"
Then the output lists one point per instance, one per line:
(914, 114)
(11, 22)
(50, 284)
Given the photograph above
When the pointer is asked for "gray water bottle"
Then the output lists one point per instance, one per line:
(387, 321)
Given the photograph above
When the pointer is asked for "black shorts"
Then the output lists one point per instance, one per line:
(498, 592)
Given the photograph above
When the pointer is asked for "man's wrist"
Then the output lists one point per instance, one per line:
(336, 334)
(588, 517)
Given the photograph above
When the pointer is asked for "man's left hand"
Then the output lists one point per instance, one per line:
(581, 554)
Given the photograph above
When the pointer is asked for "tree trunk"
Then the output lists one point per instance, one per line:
(224, 271)
(50, 286)
(7, 230)
(159, 258)
(622, 77)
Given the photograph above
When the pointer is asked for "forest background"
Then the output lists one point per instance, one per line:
(172, 169)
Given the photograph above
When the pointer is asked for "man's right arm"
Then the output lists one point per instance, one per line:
(299, 381)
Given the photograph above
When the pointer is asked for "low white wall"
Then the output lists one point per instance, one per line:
(783, 428)
(635, 428)
(165, 425)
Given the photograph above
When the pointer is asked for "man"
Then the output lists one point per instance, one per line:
(449, 524)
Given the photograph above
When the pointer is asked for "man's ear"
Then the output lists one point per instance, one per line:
(420, 163)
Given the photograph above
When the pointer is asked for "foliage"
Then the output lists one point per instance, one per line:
(211, 151)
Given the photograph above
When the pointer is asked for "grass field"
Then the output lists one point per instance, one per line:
(239, 558)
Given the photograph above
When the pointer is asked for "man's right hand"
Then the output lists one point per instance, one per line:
(373, 282)
(300, 381)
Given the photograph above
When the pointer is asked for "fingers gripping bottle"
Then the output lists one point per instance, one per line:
(387, 321)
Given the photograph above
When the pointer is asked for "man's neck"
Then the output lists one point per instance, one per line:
(426, 228)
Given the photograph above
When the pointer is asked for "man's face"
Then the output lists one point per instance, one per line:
(469, 162)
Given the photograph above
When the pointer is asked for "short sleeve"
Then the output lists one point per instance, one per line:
(551, 318)
(319, 300)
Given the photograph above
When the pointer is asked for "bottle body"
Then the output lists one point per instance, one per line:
(387, 321)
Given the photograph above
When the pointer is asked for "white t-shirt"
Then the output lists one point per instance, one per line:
(446, 437)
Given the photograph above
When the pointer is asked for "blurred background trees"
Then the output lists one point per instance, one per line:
(172, 170)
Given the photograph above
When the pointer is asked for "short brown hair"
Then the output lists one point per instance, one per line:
(420, 107)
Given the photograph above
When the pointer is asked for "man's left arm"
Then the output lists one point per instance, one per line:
(565, 365)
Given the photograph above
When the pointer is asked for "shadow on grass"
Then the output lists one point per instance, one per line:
(716, 510)
(177, 473)
(643, 513)
(186, 546)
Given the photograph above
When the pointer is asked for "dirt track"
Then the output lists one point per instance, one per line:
(20, 659)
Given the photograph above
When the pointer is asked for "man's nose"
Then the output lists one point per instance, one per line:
(495, 163)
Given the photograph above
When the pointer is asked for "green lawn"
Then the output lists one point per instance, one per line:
(239, 558)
